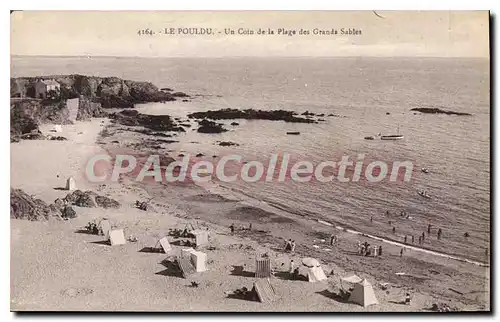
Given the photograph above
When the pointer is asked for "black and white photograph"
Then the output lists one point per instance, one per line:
(250, 161)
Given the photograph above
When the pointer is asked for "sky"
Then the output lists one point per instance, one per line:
(383, 33)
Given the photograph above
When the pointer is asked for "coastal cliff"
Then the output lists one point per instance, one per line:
(95, 94)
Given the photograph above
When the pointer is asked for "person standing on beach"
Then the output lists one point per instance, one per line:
(371, 220)
(412, 239)
(423, 236)
(232, 228)
(420, 240)
(332, 239)
(401, 253)
(292, 266)
(406, 238)
(429, 229)
(393, 230)
(293, 245)
(407, 299)
(440, 232)
(380, 250)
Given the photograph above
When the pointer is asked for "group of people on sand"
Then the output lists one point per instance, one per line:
(365, 249)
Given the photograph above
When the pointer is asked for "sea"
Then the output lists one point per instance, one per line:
(369, 96)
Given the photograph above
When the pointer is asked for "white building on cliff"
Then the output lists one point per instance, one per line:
(44, 86)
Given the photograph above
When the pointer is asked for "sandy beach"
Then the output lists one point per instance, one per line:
(92, 276)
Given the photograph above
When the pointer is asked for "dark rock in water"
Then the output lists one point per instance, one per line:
(129, 113)
(235, 123)
(24, 206)
(307, 113)
(115, 141)
(387, 113)
(207, 126)
(320, 115)
(321, 120)
(185, 100)
(106, 202)
(153, 122)
(68, 212)
(227, 143)
(166, 89)
(199, 155)
(58, 138)
(180, 94)
(432, 110)
(166, 141)
(293, 133)
(250, 114)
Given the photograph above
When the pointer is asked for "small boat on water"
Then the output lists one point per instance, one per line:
(369, 138)
(424, 194)
(425, 170)
(293, 133)
(392, 136)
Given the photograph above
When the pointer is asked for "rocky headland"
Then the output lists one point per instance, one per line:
(251, 114)
(96, 94)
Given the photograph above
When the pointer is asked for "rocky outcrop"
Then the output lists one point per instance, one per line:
(227, 143)
(152, 122)
(89, 199)
(433, 110)
(24, 206)
(108, 91)
(88, 109)
(207, 126)
(250, 114)
(95, 94)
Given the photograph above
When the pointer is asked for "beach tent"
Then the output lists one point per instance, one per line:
(201, 237)
(262, 267)
(263, 291)
(186, 252)
(363, 294)
(57, 128)
(199, 261)
(165, 244)
(314, 272)
(116, 237)
(186, 267)
(354, 279)
(105, 227)
(70, 184)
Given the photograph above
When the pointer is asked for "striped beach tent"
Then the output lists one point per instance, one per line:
(262, 267)
(264, 291)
